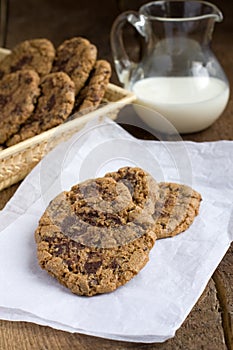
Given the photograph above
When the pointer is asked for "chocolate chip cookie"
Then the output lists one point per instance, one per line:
(35, 54)
(76, 57)
(18, 95)
(54, 106)
(175, 209)
(93, 92)
(97, 236)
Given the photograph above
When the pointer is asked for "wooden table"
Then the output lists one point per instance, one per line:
(209, 326)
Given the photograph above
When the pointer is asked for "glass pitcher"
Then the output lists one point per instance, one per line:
(178, 75)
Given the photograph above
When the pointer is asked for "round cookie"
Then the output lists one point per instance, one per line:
(54, 106)
(93, 92)
(18, 95)
(35, 54)
(175, 209)
(97, 236)
(76, 57)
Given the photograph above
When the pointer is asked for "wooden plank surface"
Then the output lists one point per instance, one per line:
(209, 325)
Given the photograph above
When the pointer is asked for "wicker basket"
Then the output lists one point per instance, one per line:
(17, 161)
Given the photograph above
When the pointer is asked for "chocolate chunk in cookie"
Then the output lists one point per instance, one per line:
(35, 54)
(93, 92)
(54, 106)
(97, 236)
(18, 95)
(76, 57)
(175, 209)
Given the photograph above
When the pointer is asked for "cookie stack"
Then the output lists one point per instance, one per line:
(40, 87)
(97, 236)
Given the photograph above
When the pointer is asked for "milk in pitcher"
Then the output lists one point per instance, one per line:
(190, 103)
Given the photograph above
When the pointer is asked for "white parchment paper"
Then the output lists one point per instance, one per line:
(153, 305)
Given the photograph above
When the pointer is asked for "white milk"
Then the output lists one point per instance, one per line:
(189, 103)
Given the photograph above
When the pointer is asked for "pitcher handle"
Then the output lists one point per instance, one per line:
(124, 66)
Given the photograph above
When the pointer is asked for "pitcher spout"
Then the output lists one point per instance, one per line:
(216, 13)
